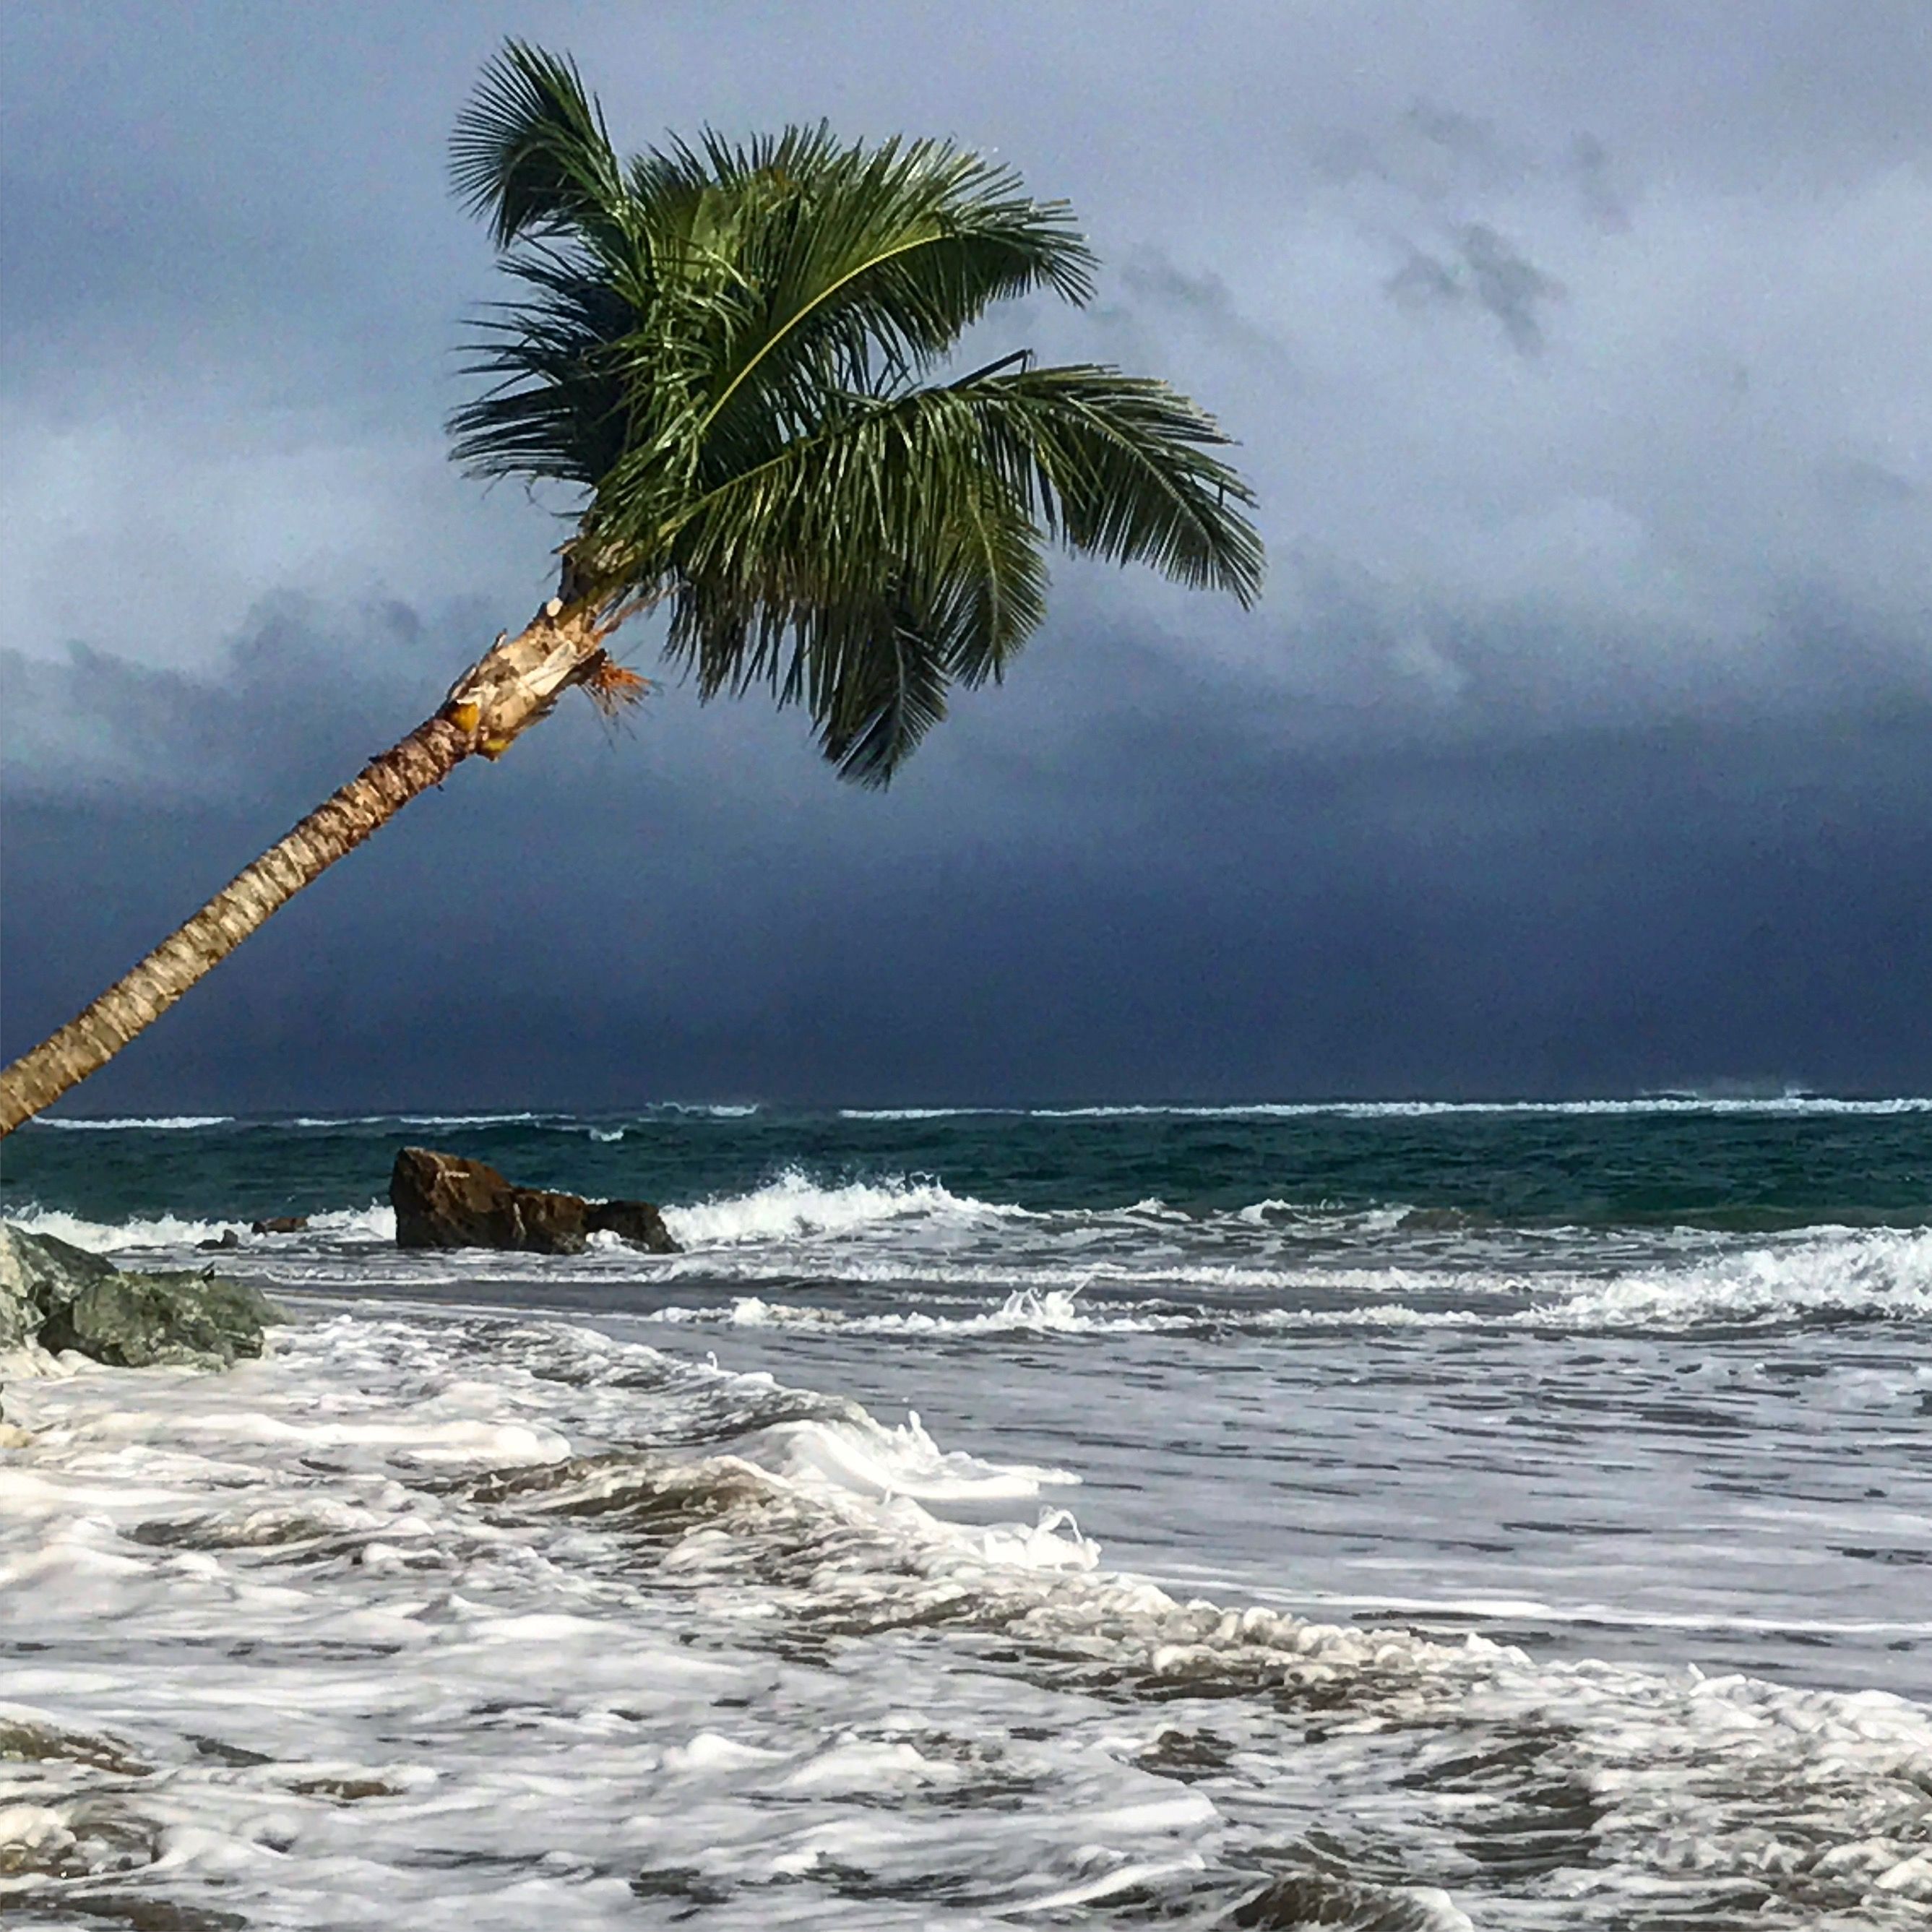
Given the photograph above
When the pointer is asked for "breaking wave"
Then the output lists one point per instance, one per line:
(1849, 1273)
(954, 1264)
(376, 1222)
(1379, 1110)
(1043, 1311)
(794, 1206)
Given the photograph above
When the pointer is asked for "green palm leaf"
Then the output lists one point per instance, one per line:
(733, 351)
(531, 152)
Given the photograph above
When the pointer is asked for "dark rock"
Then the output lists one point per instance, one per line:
(443, 1201)
(229, 1239)
(64, 1298)
(22, 1736)
(279, 1224)
(636, 1222)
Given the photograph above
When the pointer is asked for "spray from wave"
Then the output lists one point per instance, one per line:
(376, 1223)
(795, 1207)
(1850, 1273)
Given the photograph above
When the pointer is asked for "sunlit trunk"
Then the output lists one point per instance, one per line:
(508, 689)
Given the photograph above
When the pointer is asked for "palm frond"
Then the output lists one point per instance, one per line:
(920, 519)
(862, 268)
(860, 574)
(530, 153)
(558, 403)
(1118, 465)
(729, 348)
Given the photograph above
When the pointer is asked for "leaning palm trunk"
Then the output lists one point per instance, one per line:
(732, 355)
(508, 689)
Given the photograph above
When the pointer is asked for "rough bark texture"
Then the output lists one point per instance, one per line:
(509, 688)
(443, 1201)
(520, 680)
(386, 785)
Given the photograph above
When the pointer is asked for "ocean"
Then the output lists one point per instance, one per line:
(1402, 1517)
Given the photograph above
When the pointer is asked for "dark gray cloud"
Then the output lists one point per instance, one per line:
(1488, 270)
(1097, 882)
(1580, 741)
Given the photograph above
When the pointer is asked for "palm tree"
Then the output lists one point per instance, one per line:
(732, 355)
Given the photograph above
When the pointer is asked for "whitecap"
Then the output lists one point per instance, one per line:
(374, 1223)
(794, 1206)
(1872, 1273)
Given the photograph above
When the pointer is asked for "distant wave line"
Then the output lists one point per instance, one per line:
(1686, 1104)
(1412, 1109)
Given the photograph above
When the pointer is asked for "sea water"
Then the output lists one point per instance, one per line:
(1401, 1516)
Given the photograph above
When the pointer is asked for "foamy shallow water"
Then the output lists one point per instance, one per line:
(433, 1620)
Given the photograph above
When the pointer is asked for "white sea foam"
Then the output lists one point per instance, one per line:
(1872, 1273)
(794, 1206)
(1275, 1265)
(1373, 1110)
(1053, 1312)
(922, 1113)
(563, 1123)
(520, 1119)
(136, 1123)
(345, 1639)
(1026, 1311)
(1853, 1274)
(159, 1230)
(375, 1223)
(1376, 1110)
(859, 1456)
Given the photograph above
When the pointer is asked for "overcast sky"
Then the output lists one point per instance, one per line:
(1581, 742)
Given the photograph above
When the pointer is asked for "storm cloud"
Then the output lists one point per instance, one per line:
(1580, 743)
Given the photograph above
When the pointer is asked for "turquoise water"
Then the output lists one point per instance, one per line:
(1746, 1166)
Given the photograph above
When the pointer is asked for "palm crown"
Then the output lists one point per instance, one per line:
(734, 352)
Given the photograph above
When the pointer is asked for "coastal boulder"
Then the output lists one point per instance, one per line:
(62, 1297)
(443, 1200)
(138, 1320)
(636, 1222)
(38, 1273)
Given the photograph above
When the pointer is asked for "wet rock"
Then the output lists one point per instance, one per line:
(62, 1297)
(636, 1222)
(25, 1735)
(279, 1224)
(228, 1238)
(138, 1320)
(443, 1200)
(142, 1912)
(36, 1272)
